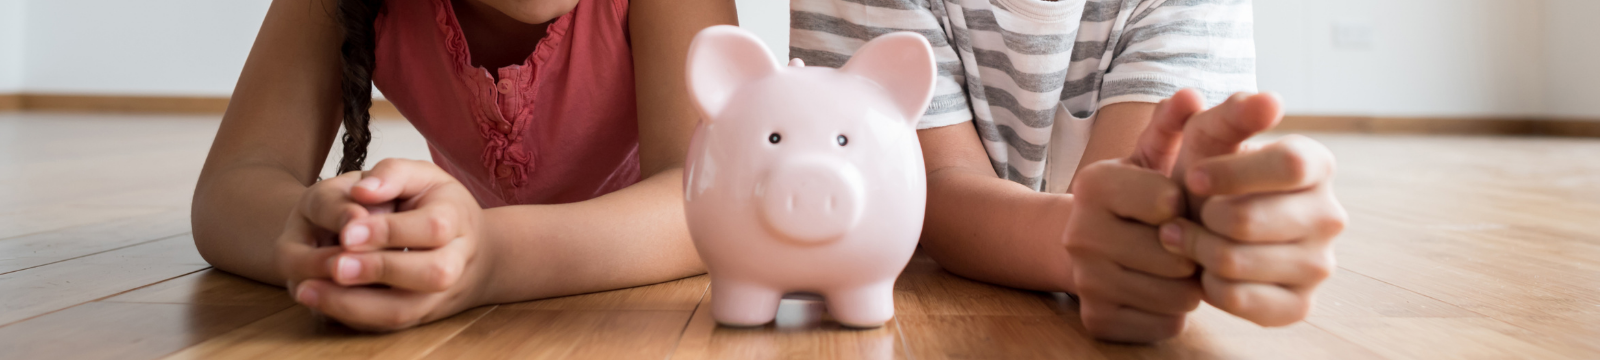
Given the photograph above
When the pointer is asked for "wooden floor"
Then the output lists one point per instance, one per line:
(1460, 247)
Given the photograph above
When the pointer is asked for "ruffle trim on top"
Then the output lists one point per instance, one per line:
(501, 156)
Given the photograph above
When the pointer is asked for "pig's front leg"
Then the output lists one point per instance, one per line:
(736, 303)
(862, 307)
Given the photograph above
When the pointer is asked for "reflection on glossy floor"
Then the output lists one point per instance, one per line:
(1460, 247)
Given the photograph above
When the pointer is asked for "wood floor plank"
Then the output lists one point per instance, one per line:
(567, 334)
(40, 290)
(1349, 294)
(27, 251)
(1439, 338)
(57, 217)
(100, 330)
(296, 333)
(208, 287)
(1214, 334)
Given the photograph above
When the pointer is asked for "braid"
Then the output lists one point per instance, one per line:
(356, 17)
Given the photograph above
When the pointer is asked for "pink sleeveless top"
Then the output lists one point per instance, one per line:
(559, 128)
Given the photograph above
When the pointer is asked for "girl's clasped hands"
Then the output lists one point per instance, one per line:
(409, 246)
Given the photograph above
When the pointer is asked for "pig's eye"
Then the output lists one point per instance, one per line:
(842, 140)
(774, 138)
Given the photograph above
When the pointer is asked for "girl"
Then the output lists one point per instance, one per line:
(1039, 177)
(557, 129)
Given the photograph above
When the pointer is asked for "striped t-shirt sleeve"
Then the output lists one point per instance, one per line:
(1169, 45)
(828, 32)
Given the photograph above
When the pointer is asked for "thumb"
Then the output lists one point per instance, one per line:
(1158, 146)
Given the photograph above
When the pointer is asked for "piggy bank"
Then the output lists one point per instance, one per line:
(806, 180)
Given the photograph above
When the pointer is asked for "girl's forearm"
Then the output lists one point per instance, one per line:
(993, 230)
(631, 237)
(238, 214)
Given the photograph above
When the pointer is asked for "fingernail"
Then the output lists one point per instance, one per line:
(371, 183)
(349, 268)
(356, 234)
(1199, 181)
(1172, 238)
(306, 295)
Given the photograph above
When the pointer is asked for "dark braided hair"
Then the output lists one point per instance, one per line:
(356, 17)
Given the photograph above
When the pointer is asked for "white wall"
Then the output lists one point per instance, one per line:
(1467, 58)
(769, 20)
(162, 47)
(1420, 57)
(12, 24)
(1572, 58)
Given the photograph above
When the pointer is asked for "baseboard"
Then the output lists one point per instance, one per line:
(139, 104)
(1292, 123)
(1441, 126)
(10, 102)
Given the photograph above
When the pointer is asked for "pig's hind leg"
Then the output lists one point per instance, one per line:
(867, 306)
(743, 304)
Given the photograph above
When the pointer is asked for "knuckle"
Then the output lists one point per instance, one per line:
(1228, 265)
(1235, 219)
(1320, 268)
(1231, 299)
(1294, 163)
(1334, 222)
(441, 275)
(442, 222)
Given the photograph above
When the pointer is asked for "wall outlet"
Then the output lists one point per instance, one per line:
(1352, 35)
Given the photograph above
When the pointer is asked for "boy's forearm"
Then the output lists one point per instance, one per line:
(631, 237)
(993, 230)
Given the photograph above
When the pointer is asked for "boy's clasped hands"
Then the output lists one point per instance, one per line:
(1195, 214)
(409, 246)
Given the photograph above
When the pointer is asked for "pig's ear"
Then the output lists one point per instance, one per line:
(722, 59)
(901, 62)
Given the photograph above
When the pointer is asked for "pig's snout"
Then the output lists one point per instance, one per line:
(813, 200)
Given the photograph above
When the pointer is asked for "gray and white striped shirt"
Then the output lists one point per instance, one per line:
(1030, 74)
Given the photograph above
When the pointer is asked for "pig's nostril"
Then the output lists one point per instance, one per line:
(791, 202)
(828, 204)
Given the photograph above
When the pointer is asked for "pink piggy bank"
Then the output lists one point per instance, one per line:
(806, 179)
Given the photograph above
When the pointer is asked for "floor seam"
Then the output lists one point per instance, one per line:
(689, 321)
(453, 335)
(96, 253)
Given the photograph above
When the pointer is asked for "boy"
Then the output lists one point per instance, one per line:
(1039, 177)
